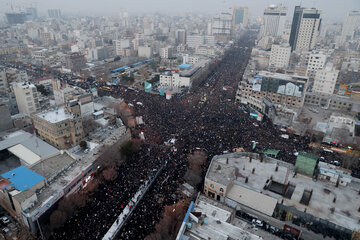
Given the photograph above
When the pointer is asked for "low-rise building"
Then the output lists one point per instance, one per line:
(264, 186)
(282, 89)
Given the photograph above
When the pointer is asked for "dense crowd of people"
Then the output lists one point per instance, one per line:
(206, 118)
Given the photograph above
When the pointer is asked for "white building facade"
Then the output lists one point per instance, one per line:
(280, 56)
(274, 20)
(325, 80)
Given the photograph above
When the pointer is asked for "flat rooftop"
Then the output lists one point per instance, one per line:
(281, 76)
(51, 166)
(214, 223)
(60, 182)
(21, 178)
(343, 212)
(55, 115)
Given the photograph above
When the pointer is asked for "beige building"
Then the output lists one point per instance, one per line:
(62, 126)
(26, 97)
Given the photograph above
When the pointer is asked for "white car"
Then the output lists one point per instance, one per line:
(5, 220)
(257, 222)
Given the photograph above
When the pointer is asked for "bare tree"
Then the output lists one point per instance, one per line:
(110, 174)
(170, 223)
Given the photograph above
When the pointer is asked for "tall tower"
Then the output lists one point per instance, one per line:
(351, 22)
(240, 16)
(274, 20)
(305, 28)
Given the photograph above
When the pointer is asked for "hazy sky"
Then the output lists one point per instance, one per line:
(334, 9)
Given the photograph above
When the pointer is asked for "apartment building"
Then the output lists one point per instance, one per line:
(26, 98)
(60, 126)
(325, 80)
(280, 56)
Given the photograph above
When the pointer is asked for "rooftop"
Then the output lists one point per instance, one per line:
(343, 212)
(214, 223)
(51, 166)
(55, 115)
(21, 178)
(281, 76)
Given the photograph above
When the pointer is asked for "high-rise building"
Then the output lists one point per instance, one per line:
(280, 56)
(15, 18)
(54, 13)
(120, 46)
(26, 97)
(351, 23)
(180, 36)
(317, 60)
(3, 80)
(274, 20)
(325, 80)
(305, 28)
(31, 14)
(240, 16)
(221, 24)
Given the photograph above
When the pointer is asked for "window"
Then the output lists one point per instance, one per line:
(221, 190)
(212, 185)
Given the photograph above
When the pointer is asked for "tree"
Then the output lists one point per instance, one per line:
(83, 145)
(170, 223)
(155, 79)
(57, 219)
(42, 90)
(127, 149)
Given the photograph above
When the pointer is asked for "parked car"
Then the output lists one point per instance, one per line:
(5, 230)
(5, 220)
(257, 222)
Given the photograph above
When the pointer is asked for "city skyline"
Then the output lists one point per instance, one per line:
(330, 8)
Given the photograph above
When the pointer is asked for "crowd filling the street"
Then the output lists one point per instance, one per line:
(204, 119)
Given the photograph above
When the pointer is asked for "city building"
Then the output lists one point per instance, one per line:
(54, 13)
(240, 16)
(27, 98)
(166, 52)
(209, 219)
(61, 93)
(6, 121)
(60, 126)
(144, 51)
(264, 186)
(31, 14)
(274, 21)
(283, 90)
(15, 18)
(305, 29)
(332, 102)
(280, 56)
(351, 23)
(120, 46)
(325, 80)
(75, 61)
(3, 80)
(222, 25)
(173, 81)
(317, 60)
(180, 36)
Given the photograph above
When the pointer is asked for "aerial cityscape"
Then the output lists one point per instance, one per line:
(191, 120)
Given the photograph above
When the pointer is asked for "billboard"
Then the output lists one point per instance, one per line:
(284, 87)
(257, 83)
